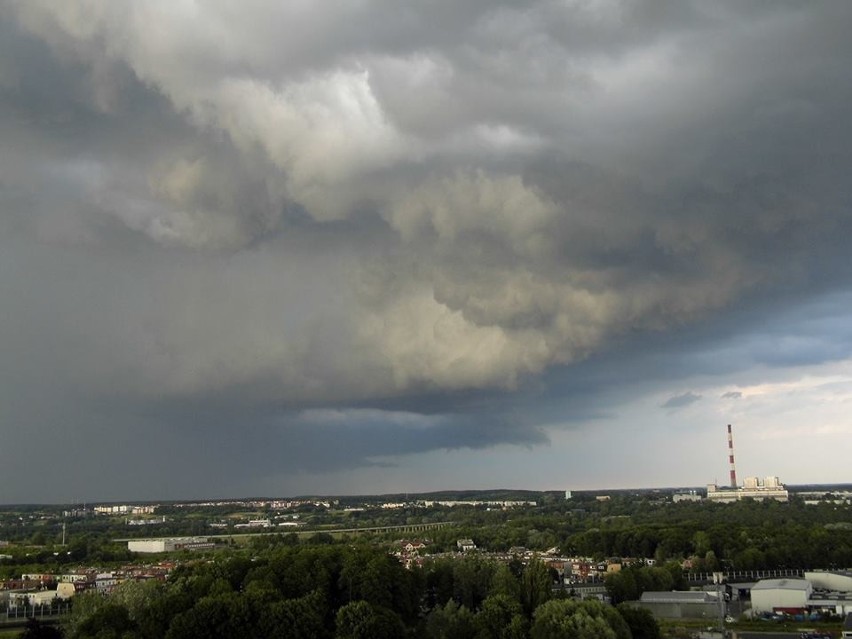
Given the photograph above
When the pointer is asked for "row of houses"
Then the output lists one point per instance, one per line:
(571, 570)
(39, 589)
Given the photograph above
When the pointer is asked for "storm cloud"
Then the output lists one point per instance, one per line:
(679, 401)
(397, 226)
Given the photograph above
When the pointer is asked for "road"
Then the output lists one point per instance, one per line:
(302, 532)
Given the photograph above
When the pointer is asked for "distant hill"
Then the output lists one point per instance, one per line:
(497, 494)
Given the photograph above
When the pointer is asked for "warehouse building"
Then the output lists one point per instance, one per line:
(169, 544)
(820, 591)
(833, 581)
(680, 604)
(753, 488)
(769, 595)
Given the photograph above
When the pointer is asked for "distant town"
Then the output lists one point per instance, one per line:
(583, 539)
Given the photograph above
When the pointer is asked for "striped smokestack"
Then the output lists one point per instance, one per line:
(731, 458)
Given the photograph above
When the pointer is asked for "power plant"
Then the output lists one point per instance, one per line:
(731, 457)
(753, 488)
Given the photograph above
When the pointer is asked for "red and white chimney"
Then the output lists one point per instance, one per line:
(731, 458)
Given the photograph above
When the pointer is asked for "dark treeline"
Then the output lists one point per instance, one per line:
(320, 585)
(344, 591)
(742, 536)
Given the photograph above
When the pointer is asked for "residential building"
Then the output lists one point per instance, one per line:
(465, 545)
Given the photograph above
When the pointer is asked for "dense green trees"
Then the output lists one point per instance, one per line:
(629, 584)
(501, 617)
(322, 586)
(301, 618)
(37, 630)
(743, 536)
(362, 620)
(641, 622)
(337, 592)
(536, 586)
(450, 621)
(568, 619)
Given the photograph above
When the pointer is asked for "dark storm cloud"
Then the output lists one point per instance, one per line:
(679, 401)
(732, 395)
(447, 214)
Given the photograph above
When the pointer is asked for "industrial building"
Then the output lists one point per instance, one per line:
(680, 604)
(753, 488)
(169, 544)
(822, 591)
(839, 581)
(686, 496)
(770, 595)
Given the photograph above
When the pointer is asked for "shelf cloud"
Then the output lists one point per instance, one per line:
(374, 210)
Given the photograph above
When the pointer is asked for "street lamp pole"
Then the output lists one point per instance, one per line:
(718, 578)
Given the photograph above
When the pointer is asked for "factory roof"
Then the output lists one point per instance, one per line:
(782, 584)
(677, 596)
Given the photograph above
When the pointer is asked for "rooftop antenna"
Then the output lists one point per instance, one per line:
(731, 458)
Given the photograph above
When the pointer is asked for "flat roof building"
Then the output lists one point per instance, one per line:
(753, 488)
(768, 595)
(838, 581)
(680, 604)
(168, 544)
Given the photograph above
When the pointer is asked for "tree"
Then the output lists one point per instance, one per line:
(321, 538)
(504, 582)
(701, 543)
(678, 580)
(629, 584)
(38, 539)
(111, 621)
(450, 621)
(231, 616)
(653, 578)
(568, 619)
(536, 586)
(301, 618)
(361, 620)
(622, 586)
(162, 606)
(37, 630)
(85, 605)
(135, 596)
(500, 618)
(642, 623)
(472, 581)
(439, 582)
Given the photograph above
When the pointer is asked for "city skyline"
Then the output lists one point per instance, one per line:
(284, 249)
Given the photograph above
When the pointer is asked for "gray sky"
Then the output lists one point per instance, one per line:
(285, 248)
